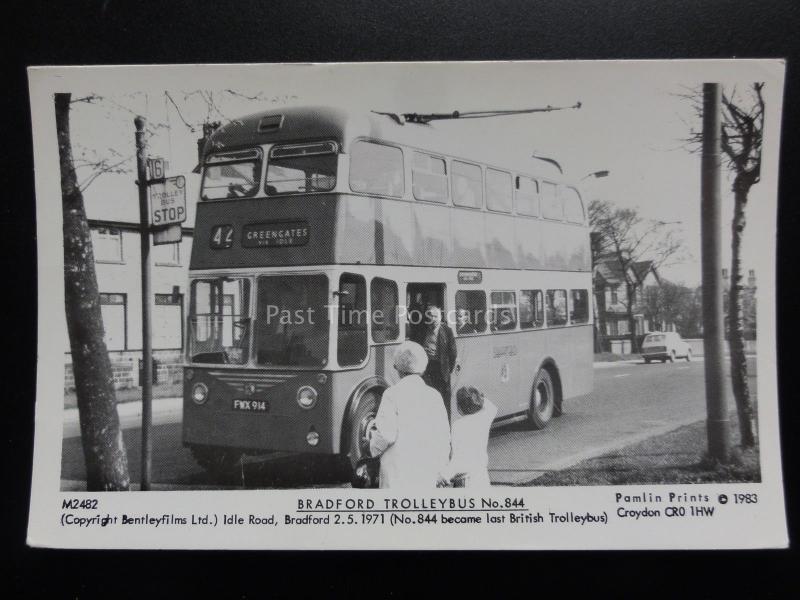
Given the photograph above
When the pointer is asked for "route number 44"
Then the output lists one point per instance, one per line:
(222, 236)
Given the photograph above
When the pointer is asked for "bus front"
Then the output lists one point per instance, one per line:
(259, 375)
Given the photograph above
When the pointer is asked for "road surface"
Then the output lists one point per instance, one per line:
(631, 401)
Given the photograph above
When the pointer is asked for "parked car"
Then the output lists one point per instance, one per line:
(665, 346)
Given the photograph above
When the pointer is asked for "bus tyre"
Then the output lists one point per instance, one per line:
(363, 468)
(216, 461)
(543, 401)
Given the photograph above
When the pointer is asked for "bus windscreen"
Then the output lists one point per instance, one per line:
(292, 325)
(219, 321)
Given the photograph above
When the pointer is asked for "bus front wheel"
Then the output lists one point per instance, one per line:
(363, 468)
(543, 400)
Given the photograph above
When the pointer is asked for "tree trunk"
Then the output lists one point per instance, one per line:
(631, 291)
(103, 447)
(600, 320)
(741, 389)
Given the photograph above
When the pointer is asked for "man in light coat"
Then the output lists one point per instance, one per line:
(411, 433)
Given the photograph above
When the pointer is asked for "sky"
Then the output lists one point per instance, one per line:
(631, 123)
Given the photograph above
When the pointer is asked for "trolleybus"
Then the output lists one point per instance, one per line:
(310, 219)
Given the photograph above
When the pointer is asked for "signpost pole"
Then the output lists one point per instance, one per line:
(147, 347)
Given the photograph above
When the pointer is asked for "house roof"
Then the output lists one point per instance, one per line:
(642, 268)
(609, 269)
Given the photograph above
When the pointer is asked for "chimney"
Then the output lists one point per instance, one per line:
(751, 278)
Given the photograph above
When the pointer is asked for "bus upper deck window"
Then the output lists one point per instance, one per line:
(302, 168)
(467, 185)
(498, 190)
(527, 197)
(376, 169)
(573, 206)
(552, 208)
(231, 175)
(429, 178)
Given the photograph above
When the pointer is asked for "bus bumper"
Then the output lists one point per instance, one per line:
(257, 411)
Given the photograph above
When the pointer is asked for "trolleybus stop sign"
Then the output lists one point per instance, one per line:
(168, 201)
(167, 208)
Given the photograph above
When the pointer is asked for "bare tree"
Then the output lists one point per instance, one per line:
(631, 242)
(671, 303)
(741, 140)
(103, 446)
(104, 451)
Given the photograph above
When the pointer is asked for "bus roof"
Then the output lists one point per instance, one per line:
(345, 125)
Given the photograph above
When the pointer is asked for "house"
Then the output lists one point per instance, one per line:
(113, 216)
(611, 302)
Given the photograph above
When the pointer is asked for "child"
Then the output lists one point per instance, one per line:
(469, 461)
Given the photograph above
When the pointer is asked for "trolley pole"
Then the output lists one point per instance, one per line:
(147, 347)
(711, 245)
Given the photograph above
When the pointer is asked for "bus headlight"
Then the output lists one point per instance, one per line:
(307, 397)
(199, 393)
(312, 437)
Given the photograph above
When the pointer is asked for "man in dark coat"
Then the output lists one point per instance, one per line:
(440, 346)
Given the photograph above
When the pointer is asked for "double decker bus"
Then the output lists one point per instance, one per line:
(321, 234)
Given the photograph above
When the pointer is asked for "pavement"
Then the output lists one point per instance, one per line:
(631, 402)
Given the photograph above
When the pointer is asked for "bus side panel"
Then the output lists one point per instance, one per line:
(555, 245)
(492, 365)
(527, 234)
(500, 244)
(468, 231)
(431, 235)
(379, 364)
(571, 349)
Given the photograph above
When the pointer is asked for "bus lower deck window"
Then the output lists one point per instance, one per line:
(470, 312)
(580, 306)
(385, 299)
(504, 311)
(556, 307)
(531, 309)
(353, 318)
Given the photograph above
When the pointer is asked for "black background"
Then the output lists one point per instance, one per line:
(114, 32)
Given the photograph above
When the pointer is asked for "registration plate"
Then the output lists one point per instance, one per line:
(258, 406)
